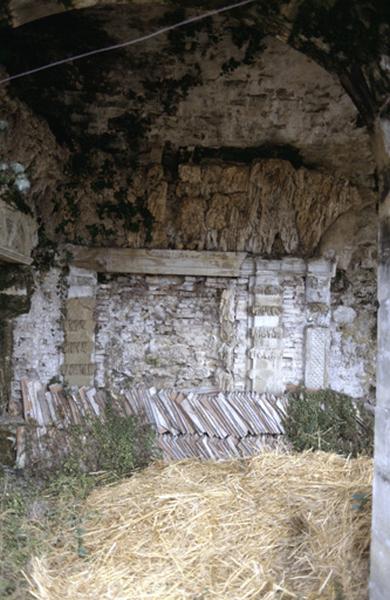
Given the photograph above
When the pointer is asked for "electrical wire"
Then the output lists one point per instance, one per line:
(143, 38)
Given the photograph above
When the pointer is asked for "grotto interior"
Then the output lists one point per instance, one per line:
(195, 212)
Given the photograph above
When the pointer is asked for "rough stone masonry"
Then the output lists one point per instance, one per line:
(216, 139)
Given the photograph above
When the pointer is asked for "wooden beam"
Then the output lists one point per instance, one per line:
(158, 262)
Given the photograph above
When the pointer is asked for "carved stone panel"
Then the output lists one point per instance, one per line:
(317, 338)
(278, 321)
(18, 235)
(317, 343)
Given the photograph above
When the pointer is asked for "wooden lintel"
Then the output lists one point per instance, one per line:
(158, 262)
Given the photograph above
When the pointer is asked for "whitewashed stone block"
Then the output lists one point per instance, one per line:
(266, 320)
(317, 290)
(293, 265)
(344, 315)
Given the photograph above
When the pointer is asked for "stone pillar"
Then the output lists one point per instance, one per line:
(380, 543)
(267, 349)
(380, 536)
(277, 323)
(317, 335)
(79, 350)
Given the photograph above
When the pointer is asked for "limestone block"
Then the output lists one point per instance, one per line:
(78, 276)
(80, 308)
(86, 370)
(77, 358)
(266, 373)
(382, 441)
(79, 335)
(293, 265)
(82, 326)
(82, 283)
(18, 235)
(79, 327)
(267, 300)
(261, 333)
(78, 346)
(318, 290)
(321, 267)
(79, 380)
(266, 321)
(344, 315)
(263, 265)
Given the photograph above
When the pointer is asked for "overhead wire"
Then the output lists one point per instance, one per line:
(138, 40)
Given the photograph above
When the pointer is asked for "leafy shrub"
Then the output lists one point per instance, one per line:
(329, 421)
(116, 444)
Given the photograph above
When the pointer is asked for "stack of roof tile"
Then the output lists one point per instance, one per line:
(187, 423)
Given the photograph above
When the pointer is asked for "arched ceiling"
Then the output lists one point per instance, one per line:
(222, 89)
(348, 37)
(20, 12)
(196, 87)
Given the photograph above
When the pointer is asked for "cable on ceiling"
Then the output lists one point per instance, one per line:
(143, 38)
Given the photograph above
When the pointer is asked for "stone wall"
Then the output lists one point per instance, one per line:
(194, 141)
(15, 291)
(270, 325)
(38, 335)
(161, 331)
(351, 242)
(264, 330)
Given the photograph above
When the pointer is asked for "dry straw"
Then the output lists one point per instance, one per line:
(271, 527)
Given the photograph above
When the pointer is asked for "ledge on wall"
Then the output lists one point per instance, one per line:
(18, 235)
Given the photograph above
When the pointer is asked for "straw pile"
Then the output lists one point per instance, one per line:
(271, 527)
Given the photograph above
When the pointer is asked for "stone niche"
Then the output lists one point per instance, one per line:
(210, 320)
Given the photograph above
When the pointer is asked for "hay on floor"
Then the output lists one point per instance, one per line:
(271, 527)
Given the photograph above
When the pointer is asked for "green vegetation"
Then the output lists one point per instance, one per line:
(36, 509)
(34, 514)
(117, 445)
(329, 421)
